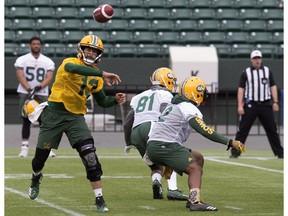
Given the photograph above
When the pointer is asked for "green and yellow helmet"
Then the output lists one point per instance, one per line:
(165, 77)
(193, 89)
(93, 42)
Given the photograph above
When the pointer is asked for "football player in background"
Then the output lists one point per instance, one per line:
(34, 72)
(173, 128)
(146, 108)
(76, 80)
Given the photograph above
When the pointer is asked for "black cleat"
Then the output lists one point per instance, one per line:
(200, 206)
(157, 190)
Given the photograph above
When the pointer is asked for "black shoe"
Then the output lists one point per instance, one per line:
(201, 206)
(234, 153)
(281, 156)
(34, 187)
(157, 190)
(100, 204)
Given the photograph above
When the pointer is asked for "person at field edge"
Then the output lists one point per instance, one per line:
(255, 91)
(146, 108)
(173, 128)
(76, 80)
(34, 72)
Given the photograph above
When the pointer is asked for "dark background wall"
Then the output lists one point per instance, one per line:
(136, 72)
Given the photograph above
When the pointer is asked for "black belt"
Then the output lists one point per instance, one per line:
(260, 102)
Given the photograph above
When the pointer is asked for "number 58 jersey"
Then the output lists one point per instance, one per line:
(146, 105)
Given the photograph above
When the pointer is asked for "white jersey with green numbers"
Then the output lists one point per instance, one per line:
(146, 105)
(173, 124)
(35, 70)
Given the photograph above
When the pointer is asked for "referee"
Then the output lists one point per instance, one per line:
(256, 89)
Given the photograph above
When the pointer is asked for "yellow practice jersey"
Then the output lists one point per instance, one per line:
(73, 89)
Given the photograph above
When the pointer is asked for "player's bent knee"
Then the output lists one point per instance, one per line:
(90, 160)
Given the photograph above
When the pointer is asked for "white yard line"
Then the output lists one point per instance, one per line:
(244, 165)
(51, 205)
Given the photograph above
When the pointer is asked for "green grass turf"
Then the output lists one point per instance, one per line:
(234, 189)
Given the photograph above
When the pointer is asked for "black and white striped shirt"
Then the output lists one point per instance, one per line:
(257, 83)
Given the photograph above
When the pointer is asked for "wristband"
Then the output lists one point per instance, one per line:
(275, 102)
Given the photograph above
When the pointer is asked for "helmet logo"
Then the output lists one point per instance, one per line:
(170, 76)
(200, 88)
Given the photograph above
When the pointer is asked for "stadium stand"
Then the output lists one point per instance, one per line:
(146, 23)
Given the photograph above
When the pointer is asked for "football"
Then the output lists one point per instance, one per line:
(103, 13)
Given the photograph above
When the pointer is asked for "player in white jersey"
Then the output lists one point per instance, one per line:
(174, 126)
(34, 72)
(146, 108)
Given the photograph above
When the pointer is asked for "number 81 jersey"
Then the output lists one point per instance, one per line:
(146, 105)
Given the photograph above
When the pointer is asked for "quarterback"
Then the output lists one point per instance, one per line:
(76, 80)
(173, 128)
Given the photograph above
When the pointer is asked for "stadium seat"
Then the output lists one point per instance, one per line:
(223, 50)
(272, 14)
(104, 35)
(85, 12)
(65, 3)
(40, 3)
(275, 25)
(11, 49)
(158, 13)
(175, 4)
(180, 13)
(121, 37)
(65, 12)
(231, 25)
(117, 24)
(144, 37)
(254, 25)
(46, 24)
(167, 37)
(207, 25)
(226, 13)
(268, 50)
(124, 50)
(51, 36)
(6, 12)
(149, 50)
(91, 25)
(138, 25)
(237, 37)
(221, 3)
(71, 50)
(25, 35)
(131, 3)
(70, 24)
(73, 37)
(54, 49)
(23, 48)
(10, 36)
(162, 25)
(241, 50)
(278, 37)
(113, 3)
(153, 3)
(198, 3)
(244, 4)
(185, 25)
(81, 3)
(203, 13)
(23, 24)
(43, 12)
(213, 37)
(135, 13)
(16, 3)
(8, 24)
(268, 3)
(20, 12)
(250, 13)
(189, 37)
(260, 37)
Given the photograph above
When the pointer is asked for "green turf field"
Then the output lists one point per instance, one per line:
(251, 185)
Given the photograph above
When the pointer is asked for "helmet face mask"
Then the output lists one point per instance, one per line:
(193, 89)
(164, 77)
(93, 42)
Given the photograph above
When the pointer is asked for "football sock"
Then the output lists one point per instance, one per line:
(36, 173)
(172, 182)
(156, 176)
(98, 192)
(25, 143)
(195, 195)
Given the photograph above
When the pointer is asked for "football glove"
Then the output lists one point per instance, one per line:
(127, 149)
(240, 147)
(37, 88)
